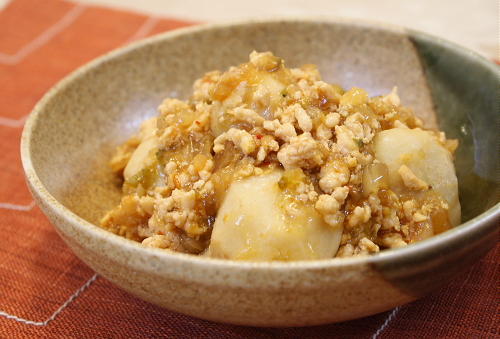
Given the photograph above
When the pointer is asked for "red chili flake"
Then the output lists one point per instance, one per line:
(197, 122)
(259, 136)
(161, 233)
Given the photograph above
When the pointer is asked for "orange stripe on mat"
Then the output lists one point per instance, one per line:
(95, 32)
(21, 21)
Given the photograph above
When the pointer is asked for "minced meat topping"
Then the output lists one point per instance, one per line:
(330, 147)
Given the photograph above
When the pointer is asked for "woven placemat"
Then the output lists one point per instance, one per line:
(46, 292)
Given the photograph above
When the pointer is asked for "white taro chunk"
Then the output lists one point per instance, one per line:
(266, 94)
(142, 156)
(425, 157)
(252, 224)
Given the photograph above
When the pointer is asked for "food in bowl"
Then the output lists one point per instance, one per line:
(264, 162)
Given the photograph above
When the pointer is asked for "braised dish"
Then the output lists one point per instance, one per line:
(265, 162)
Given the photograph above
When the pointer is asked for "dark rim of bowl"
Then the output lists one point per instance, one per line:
(456, 236)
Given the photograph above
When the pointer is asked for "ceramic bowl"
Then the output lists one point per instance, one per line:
(73, 130)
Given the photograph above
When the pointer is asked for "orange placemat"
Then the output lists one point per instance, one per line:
(45, 291)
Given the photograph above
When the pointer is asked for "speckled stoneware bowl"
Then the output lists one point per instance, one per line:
(72, 132)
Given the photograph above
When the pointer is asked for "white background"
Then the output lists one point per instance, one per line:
(472, 23)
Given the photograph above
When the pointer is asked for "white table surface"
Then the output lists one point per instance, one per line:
(471, 23)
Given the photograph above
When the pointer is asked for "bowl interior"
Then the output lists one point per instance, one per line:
(85, 117)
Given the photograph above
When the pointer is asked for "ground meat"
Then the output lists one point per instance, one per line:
(240, 138)
(259, 117)
(411, 180)
(302, 151)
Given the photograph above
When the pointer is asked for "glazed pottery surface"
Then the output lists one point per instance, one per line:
(72, 132)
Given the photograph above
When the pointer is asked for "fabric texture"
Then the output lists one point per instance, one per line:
(46, 292)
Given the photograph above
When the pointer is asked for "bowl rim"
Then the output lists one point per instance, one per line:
(457, 235)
